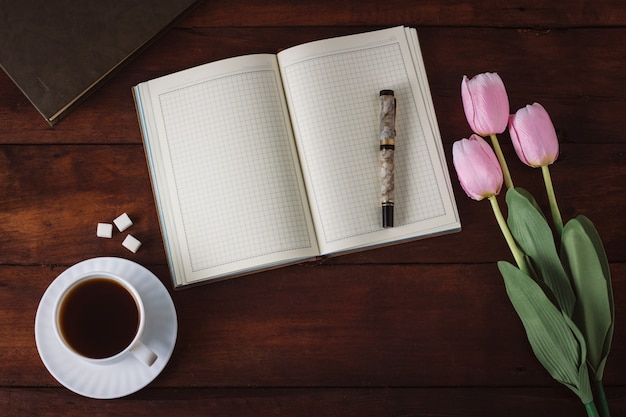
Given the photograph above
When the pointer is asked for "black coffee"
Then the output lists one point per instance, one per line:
(98, 318)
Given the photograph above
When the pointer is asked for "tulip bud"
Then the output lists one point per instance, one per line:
(486, 103)
(477, 167)
(533, 136)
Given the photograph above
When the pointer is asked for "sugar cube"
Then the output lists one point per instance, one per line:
(104, 230)
(131, 243)
(123, 222)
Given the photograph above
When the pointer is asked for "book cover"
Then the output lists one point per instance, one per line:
(58, 51)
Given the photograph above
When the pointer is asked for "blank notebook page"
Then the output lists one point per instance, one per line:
(234, 175)
(337, 122)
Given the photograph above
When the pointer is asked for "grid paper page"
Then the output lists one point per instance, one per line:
(336, 97)
(234, 174)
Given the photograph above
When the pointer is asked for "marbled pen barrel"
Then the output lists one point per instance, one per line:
(387, 149)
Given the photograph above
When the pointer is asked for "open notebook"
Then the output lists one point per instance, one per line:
(264, 160)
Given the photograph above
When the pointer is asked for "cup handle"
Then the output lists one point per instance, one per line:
(144, 353)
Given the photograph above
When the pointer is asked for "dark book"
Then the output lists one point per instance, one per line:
(59, 51)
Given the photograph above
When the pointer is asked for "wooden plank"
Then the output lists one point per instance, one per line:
(324, 326)
(378, 402)
(525, 13)
(584, 90)
(53, 196)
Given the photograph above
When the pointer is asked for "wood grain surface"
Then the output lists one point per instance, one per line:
(416, 329)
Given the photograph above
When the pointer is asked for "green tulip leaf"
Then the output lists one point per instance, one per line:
(534, 236)
(556, 341)
(584, 257)
(526, 194)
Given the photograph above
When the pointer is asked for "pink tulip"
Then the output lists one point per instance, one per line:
(533, 136)
(477, 167)
(485, 103)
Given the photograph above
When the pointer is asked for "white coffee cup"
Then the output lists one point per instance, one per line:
(100, 318)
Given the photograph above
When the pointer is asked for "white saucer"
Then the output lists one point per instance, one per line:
(118, 379)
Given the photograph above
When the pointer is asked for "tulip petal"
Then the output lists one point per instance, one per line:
(468, 104)
(533, 136)
(485, 103)
(477, 167)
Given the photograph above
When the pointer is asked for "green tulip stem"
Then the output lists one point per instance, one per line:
(591, 410)
(505, 168)
(602, 401)
(517, 254)
(554, 208)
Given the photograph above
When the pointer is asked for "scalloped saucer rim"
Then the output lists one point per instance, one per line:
(129, 375)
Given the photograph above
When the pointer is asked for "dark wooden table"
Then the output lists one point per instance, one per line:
(420, 329)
